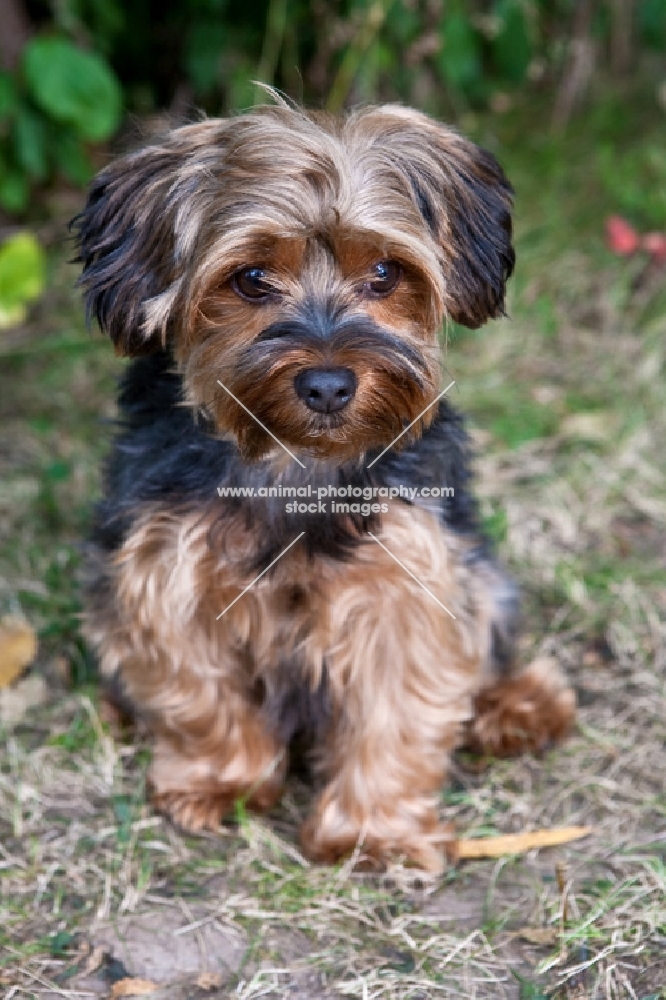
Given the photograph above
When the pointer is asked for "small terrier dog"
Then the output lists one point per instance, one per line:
(282, 279)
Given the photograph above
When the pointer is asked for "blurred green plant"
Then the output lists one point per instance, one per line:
(445, 56)
(58, 100)
(22, 274)
(635, 179)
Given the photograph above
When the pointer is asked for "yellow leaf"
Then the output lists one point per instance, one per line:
(518, 843)
(133, 988)
(18, 646)
(22, 273)
(12, 316)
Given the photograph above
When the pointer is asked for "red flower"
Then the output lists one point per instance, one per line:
(622, 239)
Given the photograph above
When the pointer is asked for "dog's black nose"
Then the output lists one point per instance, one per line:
(326, 390)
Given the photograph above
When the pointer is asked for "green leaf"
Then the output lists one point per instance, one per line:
(241, 86)
(59, 943)
(29, 136)
(58, 471)
(404, 22)
(73, 86)
(652, 23)
(72, 159)
(104, 19)
(14, 191)
(512, 48)
(22, 270)
(204, 48)
(8, 96)
(460, 58)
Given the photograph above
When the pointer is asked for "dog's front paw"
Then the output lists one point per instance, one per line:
(194, 812)
(415, 836)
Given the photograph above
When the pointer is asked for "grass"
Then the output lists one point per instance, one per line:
(567, 399)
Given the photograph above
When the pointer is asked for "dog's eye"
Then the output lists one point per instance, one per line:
(250, 283)
(387, 274)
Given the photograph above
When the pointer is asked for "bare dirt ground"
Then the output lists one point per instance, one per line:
(568, 405)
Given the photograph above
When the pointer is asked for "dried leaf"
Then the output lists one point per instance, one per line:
(16, 701)
(94, 960)
(133, 988)
(518, 843)
(539, 935)
(596, 426)
(18, 646)
(209, 981)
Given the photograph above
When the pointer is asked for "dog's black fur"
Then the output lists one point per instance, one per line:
(164, 453)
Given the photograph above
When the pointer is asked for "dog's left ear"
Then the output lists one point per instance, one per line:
(475, 232)
(465, 200)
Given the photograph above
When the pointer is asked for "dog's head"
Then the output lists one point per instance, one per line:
(306, 263)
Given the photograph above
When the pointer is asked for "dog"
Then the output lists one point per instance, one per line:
(281, 280)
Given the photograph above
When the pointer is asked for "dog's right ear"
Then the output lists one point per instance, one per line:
(125, 238)
(128, 239)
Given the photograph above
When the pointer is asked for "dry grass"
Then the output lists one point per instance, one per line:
(569, 398)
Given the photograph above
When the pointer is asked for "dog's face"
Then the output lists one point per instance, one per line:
(305, 263)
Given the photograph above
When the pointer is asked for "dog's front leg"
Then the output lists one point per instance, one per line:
(152, 616)
(402, 672)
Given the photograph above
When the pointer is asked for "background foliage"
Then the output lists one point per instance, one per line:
(76, 63)
(438, 52)
(69, 68)
(59, 99)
